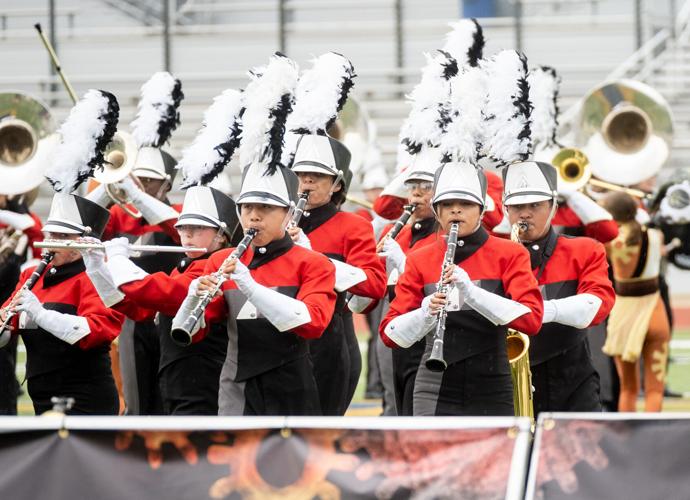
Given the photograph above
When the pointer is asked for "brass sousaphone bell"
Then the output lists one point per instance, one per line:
(27, 141)
(120, 157)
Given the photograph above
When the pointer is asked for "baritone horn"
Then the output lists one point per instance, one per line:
(120, 156)
(27, 141)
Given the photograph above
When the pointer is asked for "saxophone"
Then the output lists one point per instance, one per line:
(517, 347)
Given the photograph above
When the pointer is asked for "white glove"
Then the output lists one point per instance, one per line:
(98, 273)
(285, 313)
(586, 208)
(66, 327)
(410, 327)
(153, 210)
(120, 268)
(497, 309)
(577, 311)
(303, 240)
(22, 222)
(190, 302)
(99, 196)
(395, 257)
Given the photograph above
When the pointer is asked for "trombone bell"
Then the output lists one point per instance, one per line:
(572, 168)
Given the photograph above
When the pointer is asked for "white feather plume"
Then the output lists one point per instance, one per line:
(83, 136)
(215, 142)
(157, 114)
(426, 122)
(320, 94)
(543, 92)
(464, 133)
(268, 99)
(465, 42)
(507, 127)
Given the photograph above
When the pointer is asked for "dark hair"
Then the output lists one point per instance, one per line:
(623, 209)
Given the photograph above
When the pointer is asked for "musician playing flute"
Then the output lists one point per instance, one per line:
(66, 328)
(573, 278)
(278, 294)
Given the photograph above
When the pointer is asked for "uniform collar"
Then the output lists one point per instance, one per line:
(56, 275)
(314, 218)
(185, 262)
(538, 248)
(470, 244)
(422, 228)
(274, 249)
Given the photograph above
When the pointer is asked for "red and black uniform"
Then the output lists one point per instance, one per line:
(138, 344)
(188, 376)
(602, 230)
(268, 372)
(563, 376)
(54, 367)
(406, 361)
(477, 380)
(337, 360)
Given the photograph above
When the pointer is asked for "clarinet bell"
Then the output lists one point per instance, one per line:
(435, 362)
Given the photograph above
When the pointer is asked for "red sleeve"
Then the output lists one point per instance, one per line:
(360, 251)
(594, 279)
(521, 286)
(364, 213)
(409, 293)
(603, 230)
(494, 190)
(389, 206)
(105, 323)
(317, 292)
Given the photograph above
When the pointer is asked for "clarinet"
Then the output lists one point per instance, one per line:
(408, 210)
(435, 362)
(46, 258)
(299, 209)
(182, 334)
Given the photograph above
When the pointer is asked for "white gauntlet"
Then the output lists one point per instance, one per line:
(285, 313)
(66, 327)
(153, 210)
(577, 311)
(347, 276)
(410, 327)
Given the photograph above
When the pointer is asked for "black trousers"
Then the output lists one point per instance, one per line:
(355, 356)
(476, 386)
(567, 382)
(405, 365)
(330, 357)
(189, 386)
(9, 387)
(93, 394)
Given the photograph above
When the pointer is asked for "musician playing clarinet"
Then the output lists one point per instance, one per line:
(277, 294)
(491, 288)
(573, 279)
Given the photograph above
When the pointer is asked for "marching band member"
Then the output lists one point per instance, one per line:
(157, 118)
(65, 326)
(188, 376)
(279, 294)
(573, 276)
(493, 289)
(638, 323)
(321, 164)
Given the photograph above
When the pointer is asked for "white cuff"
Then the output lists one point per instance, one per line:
(66, 327)
(409, 328)
(587, 209)
(99, 196)
(285, 313)
(577, 311)
(105, 286)
(22, 222)
(357, 304)
(124, 270)
(497, 309)
(153, 210)
(347, 276)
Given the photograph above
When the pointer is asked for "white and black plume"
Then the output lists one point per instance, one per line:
(508, 108)
(544, 83)
(465, 42)
(464, 133)
(85, 133)
(157, 112)
(215, 142)
(321, 93)
(268, 100)
(429, 116)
